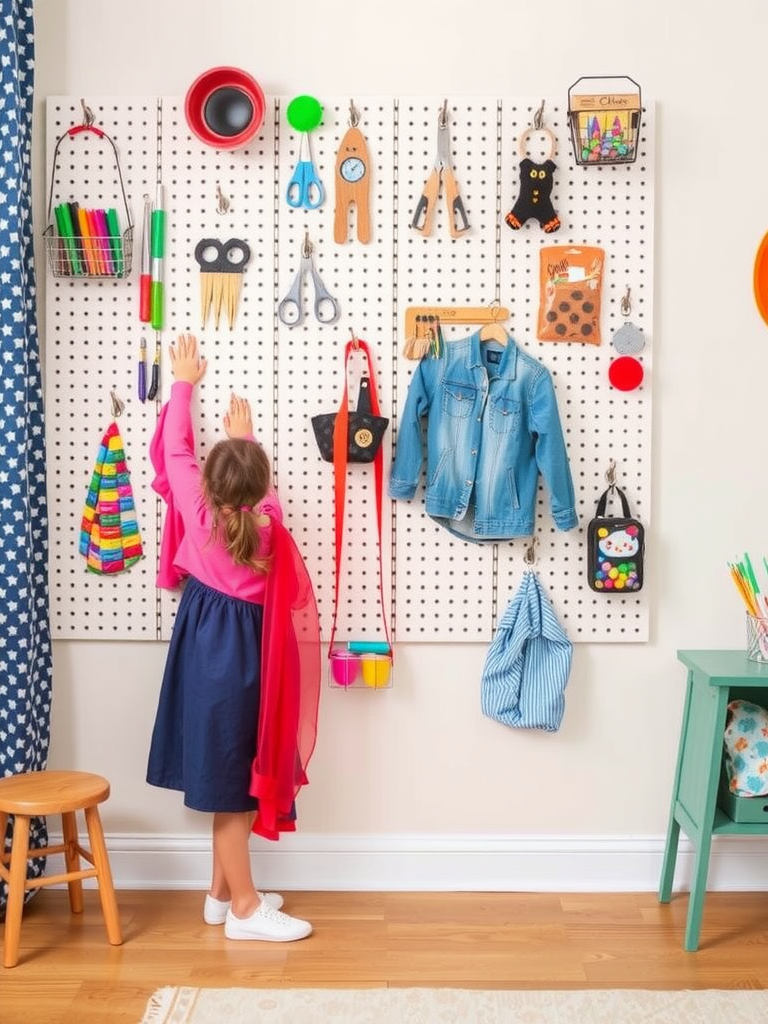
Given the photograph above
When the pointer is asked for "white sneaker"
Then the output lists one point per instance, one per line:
(215, 911)
(267, 924)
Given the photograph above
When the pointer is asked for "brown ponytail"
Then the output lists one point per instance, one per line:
(235, 478)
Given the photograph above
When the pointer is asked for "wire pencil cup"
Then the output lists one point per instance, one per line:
(757, 638)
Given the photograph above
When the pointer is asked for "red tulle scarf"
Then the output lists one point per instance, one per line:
(290, 688)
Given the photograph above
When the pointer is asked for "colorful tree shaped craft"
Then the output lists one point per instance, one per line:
(109, 530)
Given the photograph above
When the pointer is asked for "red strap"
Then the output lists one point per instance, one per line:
(85, 128)
(340, 442)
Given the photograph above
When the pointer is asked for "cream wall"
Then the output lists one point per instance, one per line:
(420, 760)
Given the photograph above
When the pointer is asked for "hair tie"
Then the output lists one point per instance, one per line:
(246, 508)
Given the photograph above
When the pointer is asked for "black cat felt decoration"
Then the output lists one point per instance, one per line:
(536, 181)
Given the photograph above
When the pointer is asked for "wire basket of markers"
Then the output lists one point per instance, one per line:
(84, 242)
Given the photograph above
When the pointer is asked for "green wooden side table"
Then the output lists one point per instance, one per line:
(714, 679)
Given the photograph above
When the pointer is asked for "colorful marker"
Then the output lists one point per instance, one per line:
(145, 279)
(157, 250)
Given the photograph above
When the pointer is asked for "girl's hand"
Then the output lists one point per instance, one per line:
(186, 363)
(237, 419)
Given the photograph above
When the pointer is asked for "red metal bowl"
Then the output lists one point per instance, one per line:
(225, 107)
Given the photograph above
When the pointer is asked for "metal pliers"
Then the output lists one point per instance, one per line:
(443, 169)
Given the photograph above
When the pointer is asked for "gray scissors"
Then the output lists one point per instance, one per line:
(326, 307)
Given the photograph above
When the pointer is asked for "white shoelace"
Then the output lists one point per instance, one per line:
(271, 914)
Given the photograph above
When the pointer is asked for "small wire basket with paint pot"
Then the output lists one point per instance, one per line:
(360, 664)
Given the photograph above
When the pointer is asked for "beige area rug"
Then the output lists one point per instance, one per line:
(452, 1006)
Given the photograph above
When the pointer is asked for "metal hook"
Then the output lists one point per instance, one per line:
(306, 248)
(354, 115)
(610, 474)
(222, 203)
(443, 118)
(88, 117)
(538, 118)
(355, 344)
(530, 552)
(626, 305)
(118, 407)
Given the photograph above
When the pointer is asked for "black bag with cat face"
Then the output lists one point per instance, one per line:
(616, 549)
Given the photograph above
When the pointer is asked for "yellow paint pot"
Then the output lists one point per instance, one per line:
(376, 670)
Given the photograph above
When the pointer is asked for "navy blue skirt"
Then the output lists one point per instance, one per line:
(204, 738)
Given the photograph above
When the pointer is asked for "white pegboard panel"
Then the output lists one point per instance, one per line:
(444, 586)
(310, 362)
(241, 359)
(609, 206)
(442, 589)
(91, 347)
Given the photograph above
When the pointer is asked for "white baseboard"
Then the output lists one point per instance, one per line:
(439, 863)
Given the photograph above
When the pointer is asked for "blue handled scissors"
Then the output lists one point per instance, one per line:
(326, 307)
(305, 188)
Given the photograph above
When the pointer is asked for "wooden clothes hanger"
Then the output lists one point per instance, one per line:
(494, 331)
(491, 317)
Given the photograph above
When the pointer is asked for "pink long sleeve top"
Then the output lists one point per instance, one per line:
(196, 554)
(291, 673)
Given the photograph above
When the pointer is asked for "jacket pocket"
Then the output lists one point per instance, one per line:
(458, 399)
(505, 414)
(444, 456)
(512, 488)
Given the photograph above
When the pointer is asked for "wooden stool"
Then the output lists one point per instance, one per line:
(38, 794)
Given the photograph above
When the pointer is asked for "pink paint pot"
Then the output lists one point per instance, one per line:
(345, 667)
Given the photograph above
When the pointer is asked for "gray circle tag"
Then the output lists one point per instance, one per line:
(628, 340)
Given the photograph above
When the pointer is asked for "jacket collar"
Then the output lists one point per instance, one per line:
(508, 364)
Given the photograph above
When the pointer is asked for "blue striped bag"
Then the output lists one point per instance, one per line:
(528, 663)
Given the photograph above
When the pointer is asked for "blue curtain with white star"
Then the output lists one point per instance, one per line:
(25, 646)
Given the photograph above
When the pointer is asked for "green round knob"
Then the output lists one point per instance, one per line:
(304, 113)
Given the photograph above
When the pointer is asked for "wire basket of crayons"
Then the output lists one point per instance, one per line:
(605, 116)
(84, 242)
(743, 575)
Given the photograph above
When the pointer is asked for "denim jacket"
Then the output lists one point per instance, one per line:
(492, 426)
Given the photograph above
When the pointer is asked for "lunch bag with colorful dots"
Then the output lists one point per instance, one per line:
(616, 547)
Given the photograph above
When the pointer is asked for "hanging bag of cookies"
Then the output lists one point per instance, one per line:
(571, 280)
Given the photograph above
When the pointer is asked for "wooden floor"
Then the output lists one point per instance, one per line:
(68, 974)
